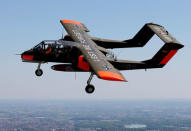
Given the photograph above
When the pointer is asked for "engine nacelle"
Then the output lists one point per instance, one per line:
(66, 67)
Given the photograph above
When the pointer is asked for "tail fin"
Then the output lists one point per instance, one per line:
(169, 49)
(162, 57)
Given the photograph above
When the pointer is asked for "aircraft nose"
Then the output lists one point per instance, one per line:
(27, 56)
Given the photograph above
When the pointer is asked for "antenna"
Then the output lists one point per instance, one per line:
(75, 75)
(62, 36)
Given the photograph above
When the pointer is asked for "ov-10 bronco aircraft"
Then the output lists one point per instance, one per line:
(79, 52)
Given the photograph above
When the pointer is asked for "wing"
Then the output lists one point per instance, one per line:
(96, 59)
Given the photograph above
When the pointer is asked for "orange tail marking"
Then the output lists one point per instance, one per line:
(168, 56)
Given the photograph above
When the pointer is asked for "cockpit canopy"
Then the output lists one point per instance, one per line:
(45, 44)
(59, 45)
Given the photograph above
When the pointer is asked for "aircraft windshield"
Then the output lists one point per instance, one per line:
(44, 44)
(38, 46)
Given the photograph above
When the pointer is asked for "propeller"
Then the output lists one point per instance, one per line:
(17, 54)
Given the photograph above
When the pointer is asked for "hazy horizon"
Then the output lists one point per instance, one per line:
(95, 116)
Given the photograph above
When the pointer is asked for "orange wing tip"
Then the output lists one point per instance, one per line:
(71, 21)
(106, 75)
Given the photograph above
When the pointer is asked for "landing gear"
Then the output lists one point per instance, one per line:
(39, 72)
(90, 88)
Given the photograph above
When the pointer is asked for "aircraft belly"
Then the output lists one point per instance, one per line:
(67, 68)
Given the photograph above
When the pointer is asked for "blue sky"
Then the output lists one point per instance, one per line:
(25, 23)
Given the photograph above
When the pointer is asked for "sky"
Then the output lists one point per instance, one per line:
(23, 24)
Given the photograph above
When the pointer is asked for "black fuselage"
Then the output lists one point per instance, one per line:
(52, 51)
